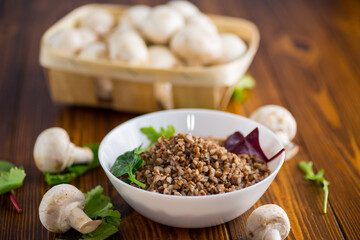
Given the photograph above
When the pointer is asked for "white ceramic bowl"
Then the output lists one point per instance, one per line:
(188, 211)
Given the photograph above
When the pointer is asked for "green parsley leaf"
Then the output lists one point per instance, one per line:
(75, 170)
(154, 135)
(5, 166)
(306, 167)
(243, 85)
(11, 179)
(127, 164)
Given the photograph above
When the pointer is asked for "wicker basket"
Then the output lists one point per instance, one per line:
(140, 89)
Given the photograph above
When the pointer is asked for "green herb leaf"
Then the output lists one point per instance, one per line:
(75, 170)
(11, 179)
(243, 85)
(97, 205)
(306, 167)
(54, 179)
(127, 164)
(5, 166)
(103, 231)
(154, 135)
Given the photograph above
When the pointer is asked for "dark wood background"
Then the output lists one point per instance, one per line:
(308, 61)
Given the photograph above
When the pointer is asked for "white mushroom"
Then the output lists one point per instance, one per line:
(99, 20)
(135, 15)
(196, 45)
(87, 35)
(70, 41)
(53, 151)
(128, 47)
(185, 8)
(202, 21)
(94, 51)
(124, 27)
(282, 123)
(233, 47)
(268, 222)
(161, 24)
(62, 208)
(162, 57)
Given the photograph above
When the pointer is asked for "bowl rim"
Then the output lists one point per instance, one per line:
(187, 110)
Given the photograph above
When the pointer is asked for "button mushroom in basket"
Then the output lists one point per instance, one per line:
(162, 57)
(196, 45)
(99, 20)
(128, 47)
(161, 24)
(135, 15)
(62, 208)
(185, 8)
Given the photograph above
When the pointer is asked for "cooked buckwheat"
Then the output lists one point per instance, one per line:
(185, 165)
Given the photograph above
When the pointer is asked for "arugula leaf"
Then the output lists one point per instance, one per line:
(11, 179)
(244, 84)
(306, 167)
(154, 135)
(127, 164)
(75, 170)
(5, 166)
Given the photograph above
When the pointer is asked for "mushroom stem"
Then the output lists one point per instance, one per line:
(272, 234)
(81, 222)
(291, 150)
(82, 155)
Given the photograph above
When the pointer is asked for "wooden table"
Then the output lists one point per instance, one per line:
(308, 61)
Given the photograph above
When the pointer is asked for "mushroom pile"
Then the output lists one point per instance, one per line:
(172, 35)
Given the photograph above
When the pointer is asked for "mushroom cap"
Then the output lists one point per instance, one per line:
(185, 8)
(202, 21)
(264, 220)
(278, 119)
(135, 15)
(52, 210)
(124, 27)
(162, 57)
(233, 47)
(196, 45)
(52, 150)
(128, 47)
(99, 20)
(161, 24)
(67, 41)
(94, 51)
(88, 36)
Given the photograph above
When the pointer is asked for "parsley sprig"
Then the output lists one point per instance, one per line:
(306, 167)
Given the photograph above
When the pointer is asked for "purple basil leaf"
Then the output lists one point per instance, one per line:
(233, 140)
(236, 143)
